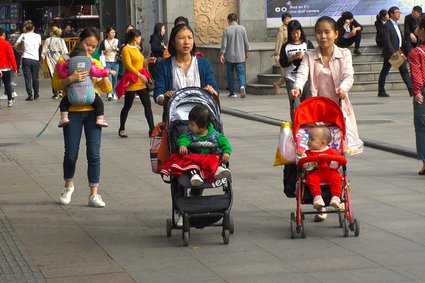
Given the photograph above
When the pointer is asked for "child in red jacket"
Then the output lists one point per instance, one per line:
(326, 172)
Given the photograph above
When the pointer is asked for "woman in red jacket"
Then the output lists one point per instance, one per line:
(7, 65)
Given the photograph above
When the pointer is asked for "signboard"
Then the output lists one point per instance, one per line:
(333, 8)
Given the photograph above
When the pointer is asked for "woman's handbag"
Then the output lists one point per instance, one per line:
(150, 84)
(20, 47)
(159, 152)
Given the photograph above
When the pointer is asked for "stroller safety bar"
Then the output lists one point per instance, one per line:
(202, 144)
(322, 159)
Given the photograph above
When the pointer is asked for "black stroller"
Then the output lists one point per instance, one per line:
(196, 209)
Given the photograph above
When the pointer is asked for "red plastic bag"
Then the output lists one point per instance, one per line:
(159, 151)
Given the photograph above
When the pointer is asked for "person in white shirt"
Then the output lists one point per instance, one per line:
(30, 59)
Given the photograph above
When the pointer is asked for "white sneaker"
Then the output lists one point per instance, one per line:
(10, 102)
(221, 173)
(114, 97)
(96, 201)
(14, 94)
(318, 202)
(196, 180)
(320, 217)
(335, 202)
(109, 96)
(243, 92)
(65, 197)
(14, 84)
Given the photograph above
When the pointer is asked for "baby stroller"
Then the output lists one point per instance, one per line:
(321, 111)
(197, 210)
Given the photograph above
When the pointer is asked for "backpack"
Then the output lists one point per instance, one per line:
(80, 93)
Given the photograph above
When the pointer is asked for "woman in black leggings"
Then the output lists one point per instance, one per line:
(134, 62)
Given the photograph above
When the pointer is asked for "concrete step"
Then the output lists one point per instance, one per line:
(267, 89)
(358, 67)
(368, 76)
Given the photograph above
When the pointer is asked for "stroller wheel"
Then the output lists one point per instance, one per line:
(226, 236)
(292, 224)
(169, 227)
(186, 238)
(356, 226)
(231, 225)
(345, 227)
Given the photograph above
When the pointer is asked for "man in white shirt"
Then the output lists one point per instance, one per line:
(30, 59)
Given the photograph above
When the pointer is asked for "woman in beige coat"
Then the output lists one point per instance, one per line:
(329, 70)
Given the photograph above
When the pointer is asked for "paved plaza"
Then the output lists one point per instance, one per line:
(42, 241)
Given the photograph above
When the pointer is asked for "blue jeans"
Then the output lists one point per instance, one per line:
(72, 136)
(116, 67)
(240, 73)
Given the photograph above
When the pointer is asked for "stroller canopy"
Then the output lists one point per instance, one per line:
(319, 109)
(183, 100)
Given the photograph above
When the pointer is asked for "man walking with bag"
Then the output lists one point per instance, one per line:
(393, 42)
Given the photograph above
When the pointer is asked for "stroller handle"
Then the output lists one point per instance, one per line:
(322, 159)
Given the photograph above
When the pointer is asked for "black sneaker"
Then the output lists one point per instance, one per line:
(36, 96)
(357, 52)
(383, 94)
(232, 95)
(29, 98)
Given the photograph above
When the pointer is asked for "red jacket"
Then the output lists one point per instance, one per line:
(7, 59)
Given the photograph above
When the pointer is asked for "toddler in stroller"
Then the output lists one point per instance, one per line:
(194, 126)
(205, 144)
(319, 135)
(322, 172)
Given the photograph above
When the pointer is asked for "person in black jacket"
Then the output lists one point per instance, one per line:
(410, 23)
(157, 41)
(381, 19)
(349, 32)
(393, 42)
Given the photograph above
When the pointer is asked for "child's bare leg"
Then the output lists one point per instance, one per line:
(64, 119)
(100, 121)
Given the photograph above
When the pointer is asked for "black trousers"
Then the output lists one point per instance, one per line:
(386, 69)
(128, 103)
(31, 69)
(97, 104)
(347, 42)
(6, 79)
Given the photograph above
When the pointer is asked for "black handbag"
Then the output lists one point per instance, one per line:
(150, 84)
(20, 47)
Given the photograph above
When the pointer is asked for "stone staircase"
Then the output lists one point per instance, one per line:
(366, 68)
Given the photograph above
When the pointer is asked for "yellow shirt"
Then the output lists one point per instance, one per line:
(133, 62)
(57, 85)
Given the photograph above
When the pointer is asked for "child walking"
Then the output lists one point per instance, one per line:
(326, 172)
(83, 87)
(205, 164)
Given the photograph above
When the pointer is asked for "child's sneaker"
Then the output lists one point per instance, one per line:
(318, 202)
(221, 173)
(196, 180)
(101, 123)
(96, 201)
(63, 122)
(335, 202)
(66, 194)
(320, 216)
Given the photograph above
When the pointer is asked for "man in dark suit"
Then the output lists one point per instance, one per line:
(410, 22)
(393, 42)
